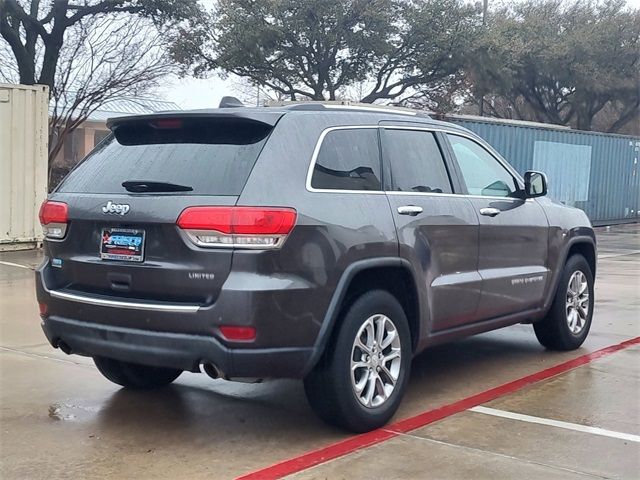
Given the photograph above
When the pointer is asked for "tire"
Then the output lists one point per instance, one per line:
(557, 331)
(135, 376)
(330, 387)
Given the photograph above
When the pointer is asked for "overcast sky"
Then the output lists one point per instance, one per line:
(192, 92)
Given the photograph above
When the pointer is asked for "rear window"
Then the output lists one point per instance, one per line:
(211, 156)
(348, 159)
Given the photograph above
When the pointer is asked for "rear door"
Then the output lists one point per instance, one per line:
(437, 230)
(513, 232)
(124, 200)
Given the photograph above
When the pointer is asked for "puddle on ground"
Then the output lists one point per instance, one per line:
(65, 411)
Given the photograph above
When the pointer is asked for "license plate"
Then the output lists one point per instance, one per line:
(122, 244)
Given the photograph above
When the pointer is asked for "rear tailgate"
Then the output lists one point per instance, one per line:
(208, 157)
(172, 268)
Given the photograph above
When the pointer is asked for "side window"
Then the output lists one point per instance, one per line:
(482, 173)
(349, 159)
(416, 162)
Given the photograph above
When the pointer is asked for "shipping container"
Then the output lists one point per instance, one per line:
(23, 163)
(597, 172)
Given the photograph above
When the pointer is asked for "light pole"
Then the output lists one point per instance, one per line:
(485, 7)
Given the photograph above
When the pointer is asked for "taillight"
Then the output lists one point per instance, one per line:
(53, 218)
(240, 227)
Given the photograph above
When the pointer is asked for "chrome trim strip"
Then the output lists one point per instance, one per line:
(498, 273)
(121, 304)
(458, 195)
(192, 235)
(457, 279)
(478, 140)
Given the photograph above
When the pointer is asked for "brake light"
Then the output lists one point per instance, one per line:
(167, 123)
(54, 217)
(242, 227)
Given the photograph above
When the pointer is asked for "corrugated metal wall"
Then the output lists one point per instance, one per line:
(609, 166)
(23, 163)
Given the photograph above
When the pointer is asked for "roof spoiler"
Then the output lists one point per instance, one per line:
(250, 115)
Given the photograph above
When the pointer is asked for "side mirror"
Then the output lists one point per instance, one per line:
(535, 184)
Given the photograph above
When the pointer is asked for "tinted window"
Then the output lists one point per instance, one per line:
(482, 173)
(213, 157)
(416, 162)
(348, 160)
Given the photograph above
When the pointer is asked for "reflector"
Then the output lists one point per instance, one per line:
(238, 333)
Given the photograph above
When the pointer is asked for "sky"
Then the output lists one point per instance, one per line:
(192, 92)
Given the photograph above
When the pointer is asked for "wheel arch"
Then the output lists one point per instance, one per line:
(585, 248)
(390, 273)
(584, 245)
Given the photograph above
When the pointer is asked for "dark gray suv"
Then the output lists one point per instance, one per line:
(325, 242)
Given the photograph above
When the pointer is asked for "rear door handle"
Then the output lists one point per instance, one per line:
(412, 210)
(489, 212)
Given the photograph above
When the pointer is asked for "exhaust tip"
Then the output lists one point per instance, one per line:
(211, 370)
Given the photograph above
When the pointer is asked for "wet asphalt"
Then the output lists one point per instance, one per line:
(59, 418)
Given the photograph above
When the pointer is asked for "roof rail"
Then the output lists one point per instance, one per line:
(318, 105)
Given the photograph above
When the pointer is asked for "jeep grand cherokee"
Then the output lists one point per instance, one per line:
(329, 243)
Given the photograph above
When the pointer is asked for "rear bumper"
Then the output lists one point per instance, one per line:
(173, 350)
(183, 335)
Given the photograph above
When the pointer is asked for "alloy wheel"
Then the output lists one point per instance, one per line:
(577, 305)
(376, 358)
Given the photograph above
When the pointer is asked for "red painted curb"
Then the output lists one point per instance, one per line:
(358, 442)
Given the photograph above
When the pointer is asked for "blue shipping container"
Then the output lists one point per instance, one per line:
(596, 172)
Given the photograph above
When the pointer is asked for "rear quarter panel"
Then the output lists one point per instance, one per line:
(333, 230)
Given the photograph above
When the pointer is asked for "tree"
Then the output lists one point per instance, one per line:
(318, 49)
(104, 59)
(560, 63)
(25, 25)
(250, 93)
(86, 52)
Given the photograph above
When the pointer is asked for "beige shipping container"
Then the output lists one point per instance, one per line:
(23, 163)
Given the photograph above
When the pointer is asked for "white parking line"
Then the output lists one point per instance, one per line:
(45, 357)
(11, 264)
(614, 255)
(556, 423)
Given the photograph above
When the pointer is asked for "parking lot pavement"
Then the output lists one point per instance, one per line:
(582, 424)
(60, 419)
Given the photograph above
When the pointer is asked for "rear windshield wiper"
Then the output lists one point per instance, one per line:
(141, 186)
